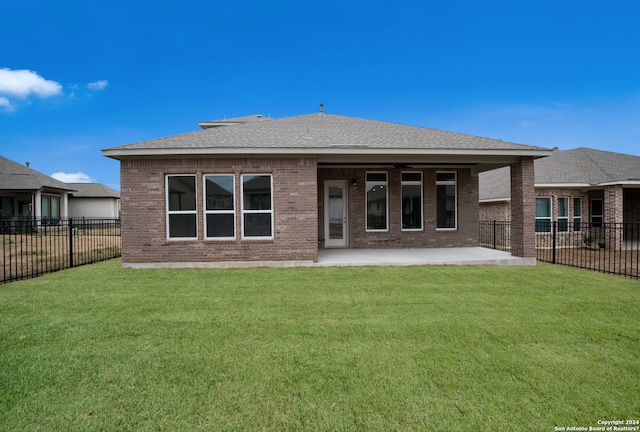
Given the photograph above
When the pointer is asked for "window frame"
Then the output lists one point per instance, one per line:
(544, 218)
(453, 183)
(169, 212)
(244, 211)
(577, 218)
(412, 183)
(563, 221)
(366, 200)
(208, 212)
(595, 224)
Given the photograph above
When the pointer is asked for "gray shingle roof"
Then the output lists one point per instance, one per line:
(15, 176)
(92, 190)
(580, 167)
(322, 131)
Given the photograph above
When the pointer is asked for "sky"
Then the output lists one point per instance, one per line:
(79, 76)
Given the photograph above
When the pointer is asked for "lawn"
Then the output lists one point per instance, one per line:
(348, 349)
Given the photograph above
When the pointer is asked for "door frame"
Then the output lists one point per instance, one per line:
(344, 242)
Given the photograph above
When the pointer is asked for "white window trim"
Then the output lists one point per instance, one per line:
(174, 212)
(573, 203)
(563, 218)
(455, 191)
(550, 218)
(366, 203)
(243, 211)
(413, 183)
(209, 212)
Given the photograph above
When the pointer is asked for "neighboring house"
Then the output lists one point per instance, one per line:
(263, 189)
(572, 187)
(27, 193)
(93, 200)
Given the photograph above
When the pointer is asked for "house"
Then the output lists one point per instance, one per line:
(93, 200)
(261, 189)
(27, 193)
(575, 188)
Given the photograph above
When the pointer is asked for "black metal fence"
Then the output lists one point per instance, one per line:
(604, 247)
(33, 247)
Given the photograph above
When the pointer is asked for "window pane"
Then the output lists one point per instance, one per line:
(446, 176)
(543, 207)
(563, 207)
(446, 206)
(596, 207)
(543, 226)
(219, 190)
(411, 177)
(376, 206)
(411, 207)
(577, 207)
(376, 177)
(45, 207)
(182, 225)
(257, 224)
(220, 225)
(257, 192)
(182, 193)
(55, 207)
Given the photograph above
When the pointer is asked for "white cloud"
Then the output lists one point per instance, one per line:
(78, 177)
(98, 85)
(5, 104)
(24, 83)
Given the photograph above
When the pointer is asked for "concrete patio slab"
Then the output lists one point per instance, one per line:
(421, 256)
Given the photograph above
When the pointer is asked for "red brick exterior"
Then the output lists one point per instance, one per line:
(144, 236)
(523, 209)
(465, 235)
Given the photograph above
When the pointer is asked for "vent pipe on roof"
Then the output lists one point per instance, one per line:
(28, 163)
(321, 109)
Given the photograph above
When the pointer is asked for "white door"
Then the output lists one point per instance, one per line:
(335, 213)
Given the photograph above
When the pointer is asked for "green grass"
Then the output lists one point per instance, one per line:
(349, 349)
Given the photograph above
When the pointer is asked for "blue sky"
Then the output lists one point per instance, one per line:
(77, 76)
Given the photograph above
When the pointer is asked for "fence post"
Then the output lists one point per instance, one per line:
(555, 235)
(70, 242)
(494, 233)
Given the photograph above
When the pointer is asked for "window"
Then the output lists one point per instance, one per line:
(257, 208)
(597, 213)
(446, 200)
(50, 207)
(411, 201)
(181, 207)
(543, 215)
(219, 206)
(376, 188)
(563, 214)
(577, 214)
(6, 207)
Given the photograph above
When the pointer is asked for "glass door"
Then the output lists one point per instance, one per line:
(335, 213)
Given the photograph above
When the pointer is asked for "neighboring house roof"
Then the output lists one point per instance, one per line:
(323, 135)
(233, 120)
(15, 177)
(580, 167)
(93, 190)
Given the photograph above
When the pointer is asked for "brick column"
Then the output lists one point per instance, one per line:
(523, 209)
(613, 216)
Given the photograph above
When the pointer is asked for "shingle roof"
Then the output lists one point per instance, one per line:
(321, 131)
(579, 167)
(93, 190)
(14, 176)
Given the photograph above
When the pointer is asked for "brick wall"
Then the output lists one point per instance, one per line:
(465, 235)
(523, 210)
(144, 237)
(495, 211)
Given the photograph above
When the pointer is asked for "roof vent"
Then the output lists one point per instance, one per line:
(321, 109)
(28, 163)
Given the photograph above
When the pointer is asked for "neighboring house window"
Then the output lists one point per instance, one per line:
(597, 213)
(377, 201)
(219, 198)
(446, 200)
(50, 207)
(257, 207)
(563, 214)
(181, 207)
(577, 214)
(543, 214)
(6, 207)
(411, 201)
